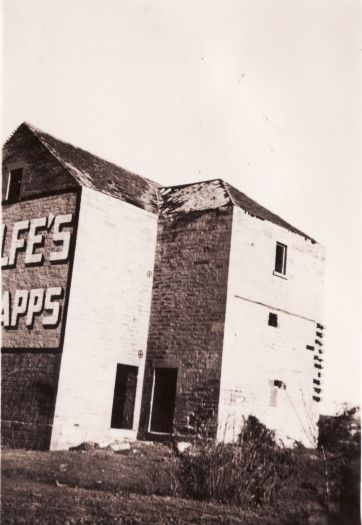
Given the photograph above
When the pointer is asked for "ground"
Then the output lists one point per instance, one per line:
(104, 487)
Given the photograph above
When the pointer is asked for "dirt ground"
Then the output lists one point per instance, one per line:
(104, 487)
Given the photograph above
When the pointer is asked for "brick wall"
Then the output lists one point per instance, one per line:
(255, 353)
(42, 172)
(108, 317)
(29, 385)
(33, 276)
(31, 354)
(187, 315)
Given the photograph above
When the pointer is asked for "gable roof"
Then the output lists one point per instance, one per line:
(214, 194)
(93, 172)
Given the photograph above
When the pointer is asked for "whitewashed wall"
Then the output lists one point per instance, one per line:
(108, 317)
(255, 353)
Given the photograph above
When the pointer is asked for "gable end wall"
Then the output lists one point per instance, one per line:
(254, 353)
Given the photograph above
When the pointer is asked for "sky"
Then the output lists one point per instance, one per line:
(264, 94)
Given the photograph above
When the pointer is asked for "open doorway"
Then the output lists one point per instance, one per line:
(124, 396)
(164, 396)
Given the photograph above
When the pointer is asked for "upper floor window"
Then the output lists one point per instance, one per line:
(14, 185)
(281, 258)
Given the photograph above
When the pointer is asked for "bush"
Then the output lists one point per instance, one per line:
(340, 446)
(252, 473)
(337, 433)
(257, 472)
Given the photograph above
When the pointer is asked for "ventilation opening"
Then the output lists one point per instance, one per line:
(273, 319)
(124, 396)
(279, 384)
(14, 185)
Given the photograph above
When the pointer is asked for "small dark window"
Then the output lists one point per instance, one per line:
(281, 258)
(273, 319)
(14, 185)
(279, 384)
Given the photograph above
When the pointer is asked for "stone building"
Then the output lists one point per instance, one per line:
(134, 310)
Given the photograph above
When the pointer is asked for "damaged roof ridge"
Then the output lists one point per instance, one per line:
(188, 184)
(194, 197)
(171, 199)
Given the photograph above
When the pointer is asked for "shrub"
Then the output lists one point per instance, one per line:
(340, 446)
(336, 433)
(251, 473)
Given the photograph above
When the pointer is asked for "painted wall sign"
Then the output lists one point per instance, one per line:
(28, 236)
(29, 303)
(36, 240)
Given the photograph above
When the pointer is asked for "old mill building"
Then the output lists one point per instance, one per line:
(131, 310)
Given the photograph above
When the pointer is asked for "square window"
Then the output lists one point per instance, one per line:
(14, 185)
(273, 319)
(281, 258)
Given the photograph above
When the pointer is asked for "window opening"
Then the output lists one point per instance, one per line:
(14, 185)
(281, 258)
(273, 319)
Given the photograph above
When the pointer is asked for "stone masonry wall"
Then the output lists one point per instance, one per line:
(255, 353)
(108, 317)
(187, 315)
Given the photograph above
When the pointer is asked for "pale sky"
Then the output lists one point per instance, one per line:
(265, 94)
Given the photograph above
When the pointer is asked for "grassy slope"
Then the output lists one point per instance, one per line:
(104, 487)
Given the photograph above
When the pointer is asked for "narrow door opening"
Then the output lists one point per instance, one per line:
(124, 396)
(164, 396)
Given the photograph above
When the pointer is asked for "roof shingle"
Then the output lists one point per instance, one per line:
(93, 172)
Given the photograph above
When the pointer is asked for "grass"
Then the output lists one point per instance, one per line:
(101, 487)
(145, 486)
(145, 470)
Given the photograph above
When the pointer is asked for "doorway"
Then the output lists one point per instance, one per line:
(164, 397)
(124, 396)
